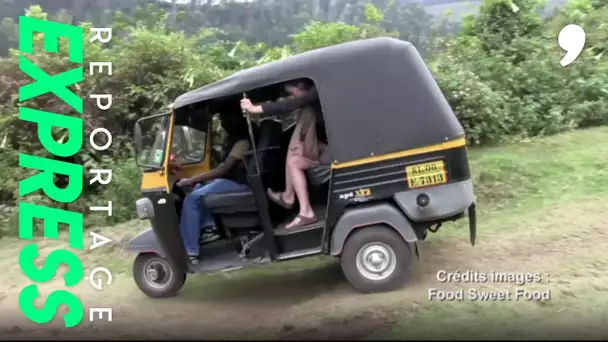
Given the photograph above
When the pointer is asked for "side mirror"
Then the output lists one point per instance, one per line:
(137, 138)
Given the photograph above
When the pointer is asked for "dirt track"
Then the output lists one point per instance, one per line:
(310, 298)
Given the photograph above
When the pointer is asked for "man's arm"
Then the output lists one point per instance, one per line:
(220, 171)
(290, 104)
(236, 154)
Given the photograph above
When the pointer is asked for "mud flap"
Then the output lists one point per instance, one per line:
(473, 223)
(417, 250)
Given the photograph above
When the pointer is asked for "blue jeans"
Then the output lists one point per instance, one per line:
(195, 214)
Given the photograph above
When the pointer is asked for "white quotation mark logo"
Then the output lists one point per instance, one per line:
(572, 39)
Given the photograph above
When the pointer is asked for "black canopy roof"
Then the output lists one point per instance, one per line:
(377, 95)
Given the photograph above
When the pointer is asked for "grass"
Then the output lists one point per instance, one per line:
(566, 249)
(542, 207)
(545, 198)
(522, 177)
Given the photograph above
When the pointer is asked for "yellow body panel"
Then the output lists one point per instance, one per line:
(406, 153)
(153, 180)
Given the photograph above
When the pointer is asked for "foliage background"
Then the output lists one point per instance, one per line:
(499, 69)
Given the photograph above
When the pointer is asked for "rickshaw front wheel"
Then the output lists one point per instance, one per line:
(376, 259)
(155, 277)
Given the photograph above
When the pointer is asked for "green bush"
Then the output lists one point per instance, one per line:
(504, 85)
(122, 191)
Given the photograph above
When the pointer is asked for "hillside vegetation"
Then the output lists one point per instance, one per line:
(500, 73)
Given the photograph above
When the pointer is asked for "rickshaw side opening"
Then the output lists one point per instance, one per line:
(398, 167)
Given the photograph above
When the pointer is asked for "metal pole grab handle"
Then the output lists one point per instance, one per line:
(252, 137)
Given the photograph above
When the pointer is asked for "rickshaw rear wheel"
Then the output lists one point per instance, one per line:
(376, 259)
(155, 277)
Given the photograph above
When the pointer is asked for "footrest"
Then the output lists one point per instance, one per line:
(281, 230)
(209, 237)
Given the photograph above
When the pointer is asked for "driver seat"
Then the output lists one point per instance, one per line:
(239, 209)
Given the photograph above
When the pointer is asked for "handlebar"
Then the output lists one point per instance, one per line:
(251, 152)
(252, 137)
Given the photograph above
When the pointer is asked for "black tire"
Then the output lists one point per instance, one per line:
(381, 237)
(170, 281)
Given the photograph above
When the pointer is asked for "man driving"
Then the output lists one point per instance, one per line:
(229, 176)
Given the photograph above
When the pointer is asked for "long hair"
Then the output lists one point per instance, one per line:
(302, 83)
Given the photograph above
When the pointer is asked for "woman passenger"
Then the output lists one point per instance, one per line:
(305, 149)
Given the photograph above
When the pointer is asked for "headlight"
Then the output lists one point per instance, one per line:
(145, 208)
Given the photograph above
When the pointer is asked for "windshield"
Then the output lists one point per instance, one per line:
(188, 143)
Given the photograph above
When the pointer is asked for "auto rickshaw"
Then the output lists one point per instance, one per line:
(398, 169)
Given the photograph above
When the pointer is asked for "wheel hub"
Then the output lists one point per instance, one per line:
(153, 275)
(376, 261)
(157, 273)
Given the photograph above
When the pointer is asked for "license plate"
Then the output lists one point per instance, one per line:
(426, 174)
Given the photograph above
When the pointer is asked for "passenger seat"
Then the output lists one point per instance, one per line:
(320, 174)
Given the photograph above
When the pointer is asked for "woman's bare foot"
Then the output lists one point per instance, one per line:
(301, 220)
(280, 199)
